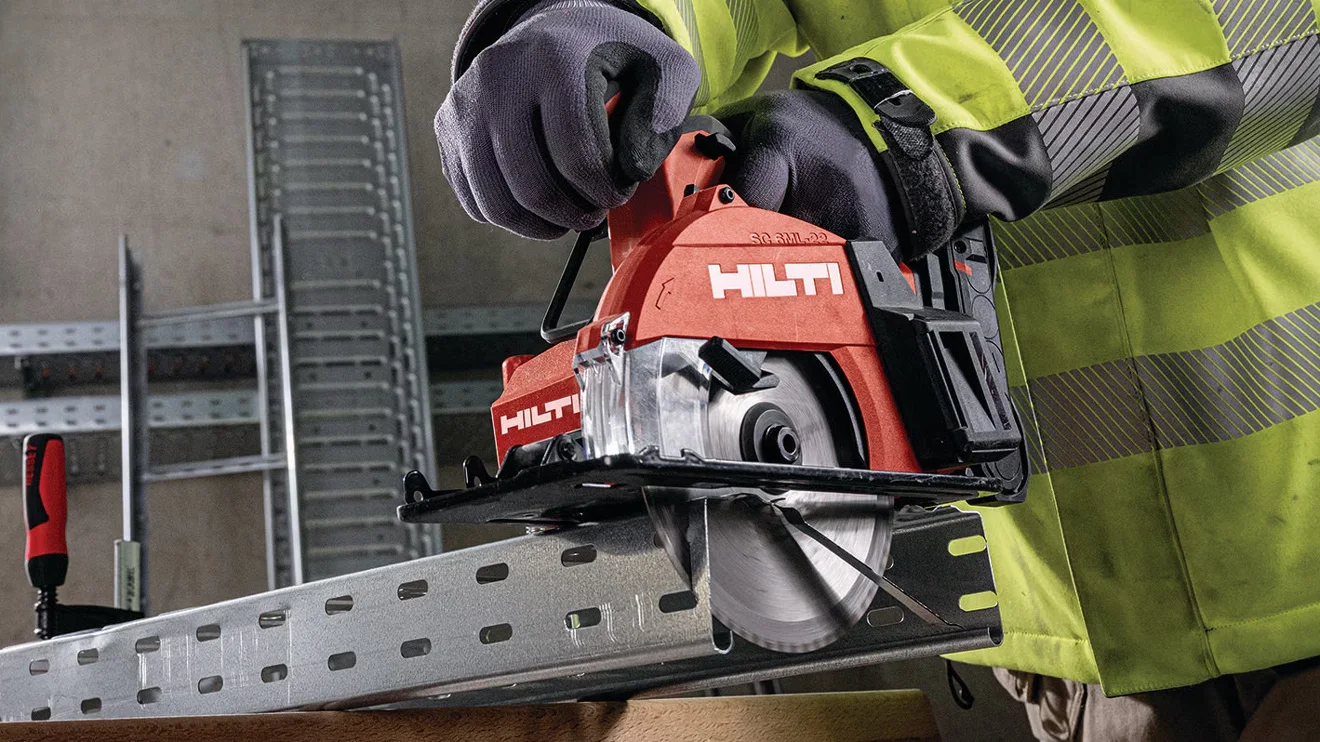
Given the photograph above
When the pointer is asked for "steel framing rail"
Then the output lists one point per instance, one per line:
(131, 549)
(36, 339)
(574, 614)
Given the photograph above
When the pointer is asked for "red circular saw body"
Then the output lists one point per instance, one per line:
(704, 265)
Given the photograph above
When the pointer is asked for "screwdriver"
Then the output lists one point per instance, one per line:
(45, 512)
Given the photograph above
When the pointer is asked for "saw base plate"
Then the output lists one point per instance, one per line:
(610, 487)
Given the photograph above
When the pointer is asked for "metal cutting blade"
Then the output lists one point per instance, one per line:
(772, 584)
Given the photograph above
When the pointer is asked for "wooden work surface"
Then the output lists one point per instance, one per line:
(872, 716)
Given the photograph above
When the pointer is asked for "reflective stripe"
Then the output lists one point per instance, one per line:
(1279, 88)
(1148, 220)
(1049, 235)
(689, 16)
(1021, 396)
(1258, 24)
(1267, 375)
(1292, 168)
(1063, 231)
(1085, 134)
(1052, 46)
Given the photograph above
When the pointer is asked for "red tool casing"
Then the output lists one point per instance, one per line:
(45, 509)
(707, 265)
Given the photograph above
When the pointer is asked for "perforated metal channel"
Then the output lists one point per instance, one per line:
(378, 634)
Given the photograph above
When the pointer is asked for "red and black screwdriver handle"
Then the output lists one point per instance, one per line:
(45, 510)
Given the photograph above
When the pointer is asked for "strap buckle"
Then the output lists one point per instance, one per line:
(882, 91)
(932, 204)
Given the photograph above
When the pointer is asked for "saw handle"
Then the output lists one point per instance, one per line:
(696, 163)
(45, 510)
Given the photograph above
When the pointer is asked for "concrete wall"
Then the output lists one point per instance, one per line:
(127, 116)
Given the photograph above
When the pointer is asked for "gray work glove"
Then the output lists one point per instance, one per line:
(804, 153)
(524, 136)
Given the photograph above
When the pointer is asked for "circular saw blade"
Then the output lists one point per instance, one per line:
(770, 583)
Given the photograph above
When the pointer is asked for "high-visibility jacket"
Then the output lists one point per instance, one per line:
(1152, 174)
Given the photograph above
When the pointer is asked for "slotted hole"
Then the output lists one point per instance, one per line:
(38, 667)
(578, 555)
(90, 705)
(884, 617)
(582, 619)
(415, 648)
(341, 661)
(500, 632)
(147, 644)
(210, 684)
(978, 601)
(967, 545)
(414, 589)
(271, 619)
(148, 695)
(274, 673)
(88, 656)
(41, 714)
(341, 604)
(209, 632)
(684, 600)
(492, 573)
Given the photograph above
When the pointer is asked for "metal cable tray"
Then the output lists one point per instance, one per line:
(609, 487)
(581, 613)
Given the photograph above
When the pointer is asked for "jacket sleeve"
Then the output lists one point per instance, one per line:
(733, 41)
(1052, 102)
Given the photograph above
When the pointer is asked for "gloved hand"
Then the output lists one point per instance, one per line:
(804, 153)
(523, 134)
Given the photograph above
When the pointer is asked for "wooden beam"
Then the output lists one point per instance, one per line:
(872, 716)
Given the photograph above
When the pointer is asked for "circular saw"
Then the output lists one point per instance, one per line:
(789, 386)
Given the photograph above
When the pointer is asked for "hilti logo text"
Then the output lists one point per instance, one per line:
(758, 279)
(538, 414)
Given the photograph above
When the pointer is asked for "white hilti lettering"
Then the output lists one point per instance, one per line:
(556, 407)
(836, 283)
(740, 280)
(807, 273)
(759, 279)
(510, 423)
(774, 286)
(538, 414)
